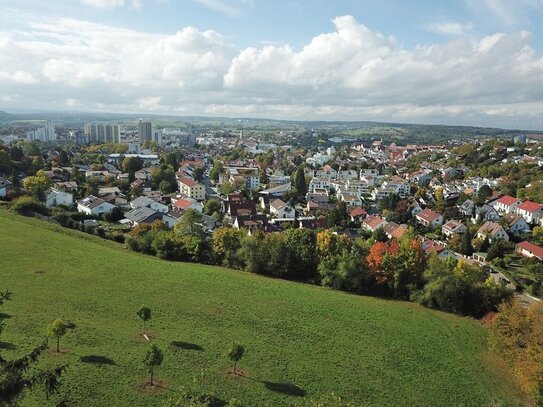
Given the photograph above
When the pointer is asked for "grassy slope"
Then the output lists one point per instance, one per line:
(368, 350)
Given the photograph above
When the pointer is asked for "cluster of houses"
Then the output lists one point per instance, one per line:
(331, 180)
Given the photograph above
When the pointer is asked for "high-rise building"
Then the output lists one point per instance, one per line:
(50, 130)
(157, 136)
(45, 133)
(145, 131)
(103, 133)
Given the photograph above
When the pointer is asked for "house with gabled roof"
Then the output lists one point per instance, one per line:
(251, 222)
(92, 205)
(516, 223)
(494, 231)
(185, 204)
(528, 249)
(142, 215)
(506, 204)
(373, 222)
(394, 231)
(429, 218)
(281, 209)
(532, 212)
(453, 227)
(146, 202)
(357, 214)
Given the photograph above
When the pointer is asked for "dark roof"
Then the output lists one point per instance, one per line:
(252, 221)
(142, 214)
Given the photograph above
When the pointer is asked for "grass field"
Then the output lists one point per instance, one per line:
(302, 341)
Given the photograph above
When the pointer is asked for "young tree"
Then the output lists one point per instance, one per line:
(235, 353)
(56, 329)
(20, 375)
(145, 314)
(153, 358)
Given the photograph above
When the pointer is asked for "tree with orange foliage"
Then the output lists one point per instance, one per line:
(517, 333)
(399, 266)
(376, 257)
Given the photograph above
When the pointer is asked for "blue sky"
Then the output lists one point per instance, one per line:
(459, 62)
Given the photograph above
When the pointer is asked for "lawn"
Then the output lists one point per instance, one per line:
(301, 341)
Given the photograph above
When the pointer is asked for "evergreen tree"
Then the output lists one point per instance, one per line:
(299, 182)
(466, 247)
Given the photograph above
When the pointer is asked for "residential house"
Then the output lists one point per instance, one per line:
(351, 199)
(373, 222)
(318, 195)
(494, 231)
(506, 204)
(101, 176)
(92, 205)
(516, 223)
(485, 213)
(172, 217)
(453, 227)
(281, 209)
(532, 212)
(394, 231)
(357, 214)
(429, 218)
(55, 197)
(142, 215)
(414, 208)
(145, 202)
(251, 222)
(192, 189)
(528, 249)
(185, 204)
(68, 186)
(241, 208)
(467, 208)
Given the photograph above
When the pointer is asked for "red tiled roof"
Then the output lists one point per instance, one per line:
(535, 249)
(507, 200)
(188, 182)
(183, 203)
(428, 215)
(373, 221)
(358, 212)
(530, 206)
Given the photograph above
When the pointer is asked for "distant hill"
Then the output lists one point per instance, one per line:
(6, 117)
(302, 342)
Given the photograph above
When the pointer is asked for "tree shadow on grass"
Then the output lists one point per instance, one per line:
(285, 388)
(3, 315)
(186, 345)
(7, 345)
(97, 360)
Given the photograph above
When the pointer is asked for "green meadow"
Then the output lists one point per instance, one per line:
(302, 342)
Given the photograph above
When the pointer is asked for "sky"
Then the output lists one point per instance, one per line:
(465, 62)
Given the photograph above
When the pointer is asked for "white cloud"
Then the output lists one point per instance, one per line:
(103, 4)
(350, 73)
(19, 77)
(450, 28)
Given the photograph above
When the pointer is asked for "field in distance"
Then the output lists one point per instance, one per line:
(301, 341)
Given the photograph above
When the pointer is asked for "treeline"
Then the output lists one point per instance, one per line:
(399, 270)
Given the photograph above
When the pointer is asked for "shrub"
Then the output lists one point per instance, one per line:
(28, 206)
(101, 232)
